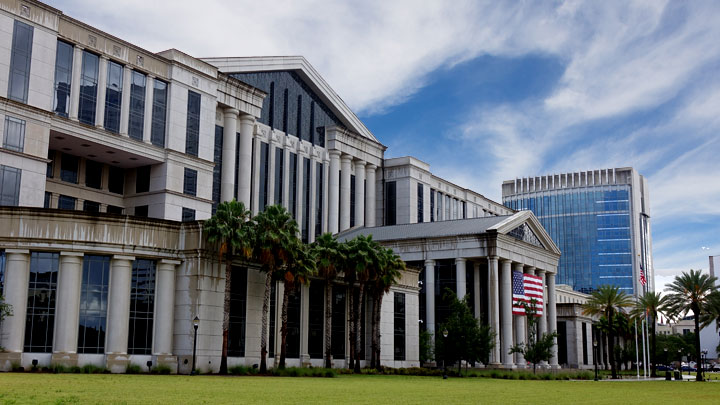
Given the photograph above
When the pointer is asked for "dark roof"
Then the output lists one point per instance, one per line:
(472, 226)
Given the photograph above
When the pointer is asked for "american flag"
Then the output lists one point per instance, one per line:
(643, 280)
(525, 288)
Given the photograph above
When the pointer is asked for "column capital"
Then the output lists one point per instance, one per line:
(123, 257)
(229, 111)
(460, 260)
(360, 164)
(429, 262)
(18, 251)
(170, 261)
(370, 166)
(530, 270)
(345, 158)
(518, 266)
(334, 153)
(506, 261)
(540, 272)
(496, 258)
(72, 254)
(246, 119)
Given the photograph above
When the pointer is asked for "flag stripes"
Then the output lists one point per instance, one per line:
(526, 287)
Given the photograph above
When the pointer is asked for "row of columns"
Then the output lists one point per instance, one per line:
(500, 302)
(339, 192)
(232, 119)
(67, 312)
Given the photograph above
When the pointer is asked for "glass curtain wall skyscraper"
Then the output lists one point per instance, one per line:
(600, 221)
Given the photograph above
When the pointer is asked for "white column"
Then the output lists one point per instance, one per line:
(520, 330)
(476, 289)
(552, 316)
(430, 297)
(359, 193)
(304, 323)
(493, 286)
(75, 83)
(102, 89)
(229, 147)
(299, 195)
(147, 116)
(346, 165)
(255, 181)
(17, 276)
(247, 123)
(119, 304)
(164, 307)
(271, 173)
(542, 325)
(312, 182)
(370, 170)
(506, 308)
(286, 177)
(125, 102)
(333, 192)
(460, 278)
(326, 172)
(67, 312)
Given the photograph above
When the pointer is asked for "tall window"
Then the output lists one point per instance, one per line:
(316, 320)
(293, 325)
(42, 293)
(190, 182)
(142, 307)
(420, 202)
(264, 150)
(192, 134)
(390, 204)
(20, 57)
(279, 156)
(90, 206)
(188, 214)
(63, 78)
(399, 326)
(88, 88)
(285, 111)
(136, 120)
(65, 202)
(113, 96)
(142, 179)
(432, 205)
(9, 185)
(93, 174)
(352, 200)
(338, 322)
(93, 304)
(238, 310)
(217, 170)
(2, 271)
(318, 198)
(306, 200)
(292, 185)
(14, 134)
(116, 180)
(69, 168)
(159, 112)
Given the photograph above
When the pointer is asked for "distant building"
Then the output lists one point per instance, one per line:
(600, 221)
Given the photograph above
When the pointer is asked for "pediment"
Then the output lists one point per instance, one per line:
(525, 227)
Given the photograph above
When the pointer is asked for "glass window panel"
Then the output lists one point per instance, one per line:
(93, 174)
(63, 78)
(136, 119)
(116, 180)
(113, 96)
(142, 300)
(42, 290)
(20, 57)
(238, 309)
(14, 134)
(93, 304)
(159, 113)
(66, 202)
(399, 326)
(88, 88)
(192, 134)
(69, 167)
(190, 182)
(10, 186)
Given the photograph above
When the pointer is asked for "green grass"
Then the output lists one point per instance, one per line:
(105, 388)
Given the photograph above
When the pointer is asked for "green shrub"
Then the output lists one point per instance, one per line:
(303, 372)
(242, 370)
(75, 369)
(59, 368)
(161, 369)
(93, 369)
(133, 369)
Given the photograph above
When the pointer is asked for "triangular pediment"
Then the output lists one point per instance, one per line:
(525, 227)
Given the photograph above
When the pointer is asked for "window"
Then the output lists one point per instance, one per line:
(136, 118)
(113, 97)
(91, 206)
(188, 215)
(432, 205)
(111, 209)
(399, 326)
(116, 180)
(142, 307)
(306, 201)
(69, 167)
(285, 112)
(14, 134)
(63, 78)
(93, 304)
(316, 321)
(292, 185)
(339, 336)
(50, 173)
(66, 202)
(264, 150)
(279, 156)
(2, 270)
(192, 133)
(93, 174)
(352, 200)
(142, 179)
(159, 112)
(20, 62)
(390, 204)
(238, 307)
(10, 185)
(48, 199)
(190, 182)
(42, 290)
(141, 211)
(293, 325)
(217, 169)
(420, 202)
(88, 88)
(318, 198)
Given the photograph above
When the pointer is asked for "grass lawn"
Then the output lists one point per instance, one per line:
(104, 388)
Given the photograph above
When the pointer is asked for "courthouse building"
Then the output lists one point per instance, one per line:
(112, 156)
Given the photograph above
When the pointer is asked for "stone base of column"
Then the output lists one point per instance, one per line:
(8, 360)
(494, 366)
(555, 367)
(117, 363)
(305, 360)
(184, 364)
(166, 360)
(64, 359)
(521, 366)
(508, 366)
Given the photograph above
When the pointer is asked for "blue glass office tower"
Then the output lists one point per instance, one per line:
(599, 220)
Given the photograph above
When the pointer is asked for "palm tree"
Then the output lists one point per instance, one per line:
(276, 235)
(692, 291)
(296, 273)
(648, 306)
(362, 257)
(328, 256)
(387, 275)
(608, 300)
(231, 228)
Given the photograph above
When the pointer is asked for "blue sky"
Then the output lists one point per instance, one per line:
(486, 91)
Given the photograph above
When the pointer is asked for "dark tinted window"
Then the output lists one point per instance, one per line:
(116, 180)
(113, 97)
(142, 181)
(238, 308)
(190, 182)
(316, 321)
(91, 206)
(420, 202)
(42, 293)
(111, 209)
(390, 204)
(69, 168)
(264, 161)
(14, 138)
(192, 135)
(318, 198)
(136, 119)
(188, 214)
(217, 170)
(63, 78)
(159, 112)
(9, 185)
(20, 57)
(93, 304)
(141, 211)
(66, 202)
(142, 307)
(88, 88)
(292, 185)
(399, 326)
(279, 167)
(93, 174)
(306, 200)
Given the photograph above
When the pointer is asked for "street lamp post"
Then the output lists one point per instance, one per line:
(688, 363)
(445, 335)
(702, 363)
(196, 323)
(679, 372)
(595, 357)
(667, 370)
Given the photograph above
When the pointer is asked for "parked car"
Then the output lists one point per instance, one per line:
(662, 367)
(688, 368)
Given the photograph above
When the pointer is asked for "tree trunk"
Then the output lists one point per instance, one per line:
(358, 328)
(283, 328)
(377, 310)
(264, 324)
(696, 311)
(653, 372)
(226, 316)
(328, 324)
(351, 324)
(611, 344)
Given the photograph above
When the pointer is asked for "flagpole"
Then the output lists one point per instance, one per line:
(642, 325)
(637, 353)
